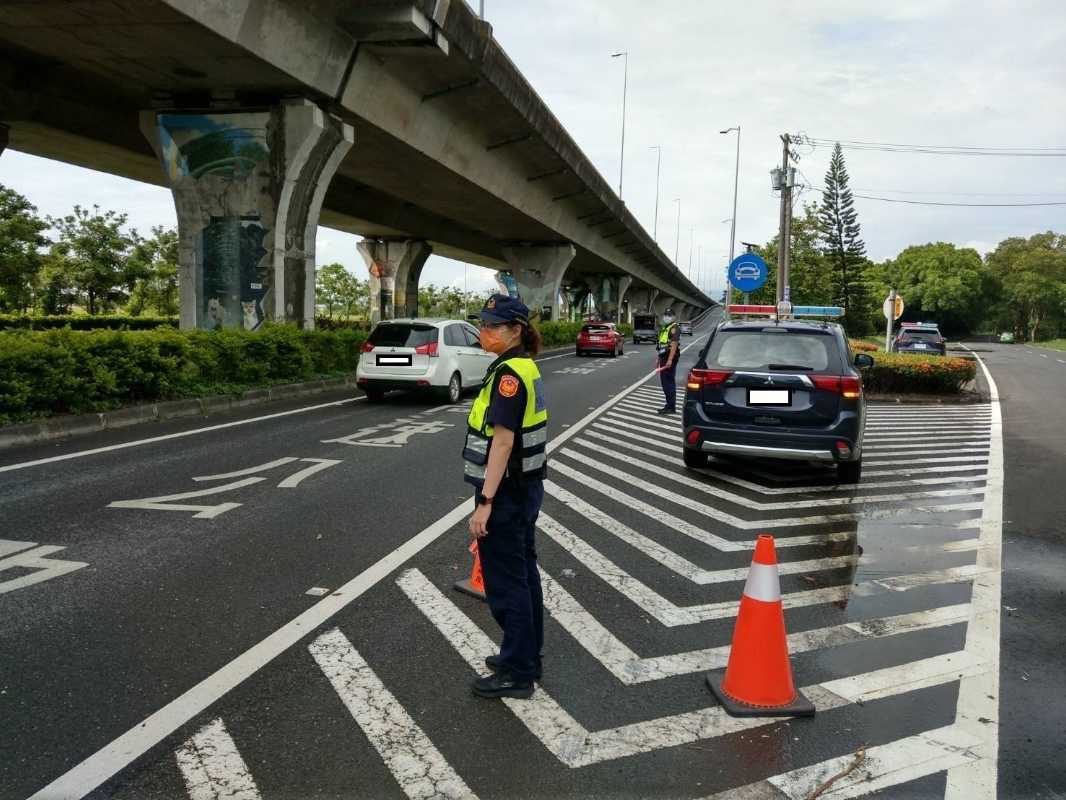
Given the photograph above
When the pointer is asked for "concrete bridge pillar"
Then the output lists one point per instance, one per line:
(538, 273)
(661, 303)
(395, 268)
(4, 130)
(623, 313)
(639, 301)
(248, 188)
(604, 296)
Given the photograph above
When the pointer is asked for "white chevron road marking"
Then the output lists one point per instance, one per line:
(213, 767)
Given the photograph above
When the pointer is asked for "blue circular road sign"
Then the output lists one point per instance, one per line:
(748, 272)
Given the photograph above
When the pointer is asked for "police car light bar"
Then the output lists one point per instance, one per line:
(759, 310)
(817, 311)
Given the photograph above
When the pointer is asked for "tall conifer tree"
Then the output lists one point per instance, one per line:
(843, 246)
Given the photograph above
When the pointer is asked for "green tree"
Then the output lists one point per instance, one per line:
(152, 268)
(809, 269)
(21, 241)
(939, 282)
(843, 245)
(94, 250)
(1031, 274)
(338, 289)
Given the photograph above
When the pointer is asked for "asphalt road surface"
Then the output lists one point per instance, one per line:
(261, 605)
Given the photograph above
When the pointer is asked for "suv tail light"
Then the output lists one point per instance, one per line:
(427, 350)
(847, 386)
(699, 378)
(367, 347)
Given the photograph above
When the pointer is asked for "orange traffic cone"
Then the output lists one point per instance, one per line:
(475, 584)
(757, 681)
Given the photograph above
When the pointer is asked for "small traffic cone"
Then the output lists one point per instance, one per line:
(475, 584)
(757, 681)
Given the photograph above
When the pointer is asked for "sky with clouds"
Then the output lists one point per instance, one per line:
(933, 72)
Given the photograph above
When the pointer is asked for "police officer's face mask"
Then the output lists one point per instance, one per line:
(497, 339)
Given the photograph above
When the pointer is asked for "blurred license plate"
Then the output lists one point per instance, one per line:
(769, 397)
(394, 361)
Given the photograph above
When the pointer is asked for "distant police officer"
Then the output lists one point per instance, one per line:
(505, 458)
(669, 346)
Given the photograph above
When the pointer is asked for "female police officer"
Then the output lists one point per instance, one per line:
(505, 459)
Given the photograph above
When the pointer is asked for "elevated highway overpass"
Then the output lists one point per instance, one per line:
(402, 121)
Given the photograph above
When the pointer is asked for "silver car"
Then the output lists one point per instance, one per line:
(440, 356)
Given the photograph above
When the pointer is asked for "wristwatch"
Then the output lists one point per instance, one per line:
(482, 500)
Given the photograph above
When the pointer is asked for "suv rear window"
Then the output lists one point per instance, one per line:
(762, 349)
(390, 334)
(920, 336)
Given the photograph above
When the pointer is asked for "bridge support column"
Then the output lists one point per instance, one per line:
(624, 282)
(661, 303)
(538, 272)
(4, 130)
(248, 189)
(639, 301)
(394, 267)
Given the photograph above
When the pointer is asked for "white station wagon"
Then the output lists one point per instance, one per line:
(438, 355)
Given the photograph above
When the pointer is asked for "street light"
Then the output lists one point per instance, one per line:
(677, 244)
(736, 178)
(625, 85)
(658, 166)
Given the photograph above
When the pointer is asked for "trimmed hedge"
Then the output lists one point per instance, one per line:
(85, 322)
(62, 371)
(913, 374)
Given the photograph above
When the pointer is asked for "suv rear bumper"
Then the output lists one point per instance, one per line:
(763, 451)
(789, 445)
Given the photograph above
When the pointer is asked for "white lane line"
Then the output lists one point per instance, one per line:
(937, 438)
(420, 769)
(212, 766)
(671, 615)
(9, 546)
(594, 433)
(755, 505)
(167, 437)
(947, 446)
(884, 454)
(885, 766)
(576, 746)
(86, 776)
(978, 700)
(1043, 355)
(318, 465)
(629, 668)
(965, 462)
(714, 513)
(250, 471)
(675, 563)
(671, 428)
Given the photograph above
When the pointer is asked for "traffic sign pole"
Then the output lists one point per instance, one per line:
(888, 331)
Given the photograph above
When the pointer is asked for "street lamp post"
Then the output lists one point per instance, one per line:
(736, 178)
(677, 244)
(730, 261)
(625, 86)
(658, 167)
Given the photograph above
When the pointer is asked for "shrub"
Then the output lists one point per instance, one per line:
(902, 373)
(85, 322)
(65, 371)
(859, 346)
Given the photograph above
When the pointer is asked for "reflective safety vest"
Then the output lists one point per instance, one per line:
(529, 457)
(664, 336)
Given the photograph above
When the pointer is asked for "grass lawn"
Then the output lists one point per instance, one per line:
(1052, 344)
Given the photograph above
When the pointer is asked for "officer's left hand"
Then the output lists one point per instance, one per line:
(479, 520)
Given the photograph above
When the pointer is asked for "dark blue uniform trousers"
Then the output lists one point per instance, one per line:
(512, 580)
(668, 377)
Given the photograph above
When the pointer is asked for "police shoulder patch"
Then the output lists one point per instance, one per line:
(509, 385)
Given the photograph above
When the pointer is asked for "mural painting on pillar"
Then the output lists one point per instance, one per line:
(507, 284)
(227, 159)
(387, 284)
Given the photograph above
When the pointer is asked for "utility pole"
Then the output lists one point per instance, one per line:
(658, 167)
(677, 244)
(624, 55)
(481, 10)
(691, 239)
(785, 227)
(891, 315)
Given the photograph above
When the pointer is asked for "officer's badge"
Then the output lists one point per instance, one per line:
(509, 386)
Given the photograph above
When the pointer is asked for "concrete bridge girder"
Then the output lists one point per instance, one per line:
(661, 303)
(538, 272)
(248, 190)
(395, 268)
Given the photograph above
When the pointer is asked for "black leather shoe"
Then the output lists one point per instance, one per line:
(493, 663)
(501, 684)
(666, 410)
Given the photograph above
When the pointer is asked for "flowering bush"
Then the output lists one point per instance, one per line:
(859, 346)
(903, 373)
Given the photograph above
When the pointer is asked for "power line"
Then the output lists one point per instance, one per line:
(960, 205)
(943, 150)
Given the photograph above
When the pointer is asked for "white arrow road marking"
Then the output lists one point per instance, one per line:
(165, 503)
(250, 471)
(885, 766)
(317, 465)
(44, 568)
(9, 546)
(721, 516)
(576, 746)
(755, 505)
(672, 615)
(594, 434)
(213, 768)
(419, 768)
(630, 669)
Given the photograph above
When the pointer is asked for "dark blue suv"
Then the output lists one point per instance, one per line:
(785, 389)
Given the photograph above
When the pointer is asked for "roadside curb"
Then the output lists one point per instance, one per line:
(78, 424)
